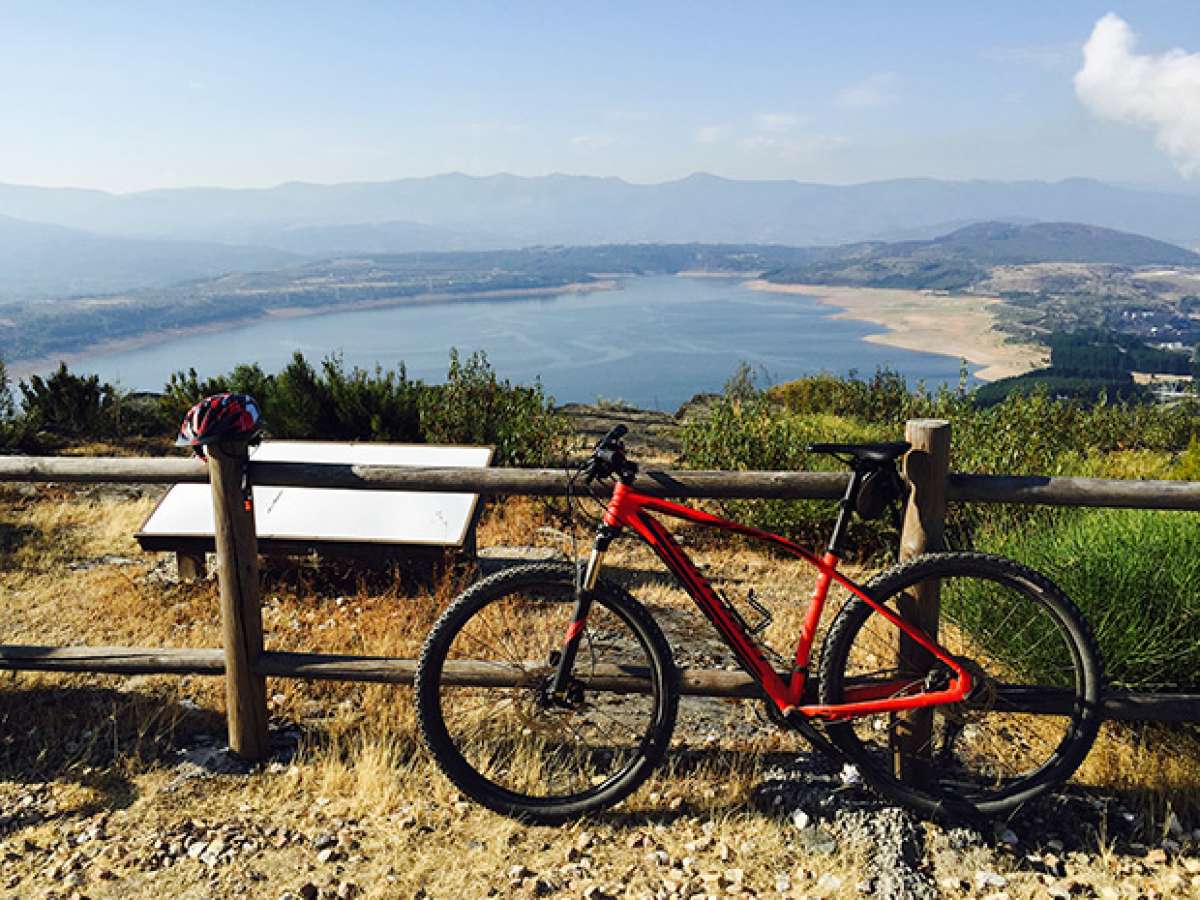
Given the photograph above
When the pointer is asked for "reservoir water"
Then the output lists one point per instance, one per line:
(655, 343)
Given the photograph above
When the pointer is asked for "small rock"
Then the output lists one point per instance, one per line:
(828, 883)
(815, 839)
(323, 840)
(986, 879)
(347, 890)
(327, 855)
(800, 819)
(308, 891)
(516, 873)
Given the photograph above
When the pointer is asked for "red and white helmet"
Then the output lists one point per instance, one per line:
(221, 417)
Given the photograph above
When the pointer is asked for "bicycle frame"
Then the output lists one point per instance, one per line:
(629, 509)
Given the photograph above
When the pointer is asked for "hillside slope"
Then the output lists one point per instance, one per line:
(966, 256)
(39, 261)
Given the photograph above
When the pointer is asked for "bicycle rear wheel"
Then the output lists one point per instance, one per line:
(485, 711)
(1023, 642)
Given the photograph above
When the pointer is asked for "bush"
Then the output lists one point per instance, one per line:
(8, 410)
(753, 433)
(473, 406)
(1024, 434)
(1136, 577)
(70, 406)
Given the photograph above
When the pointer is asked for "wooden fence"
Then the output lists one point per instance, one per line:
(246, 664)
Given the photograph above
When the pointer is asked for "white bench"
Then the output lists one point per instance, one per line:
(332, 522)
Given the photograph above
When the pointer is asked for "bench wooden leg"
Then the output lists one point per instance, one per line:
(191, 566)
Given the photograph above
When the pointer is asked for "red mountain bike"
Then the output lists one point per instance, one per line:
(545, 692)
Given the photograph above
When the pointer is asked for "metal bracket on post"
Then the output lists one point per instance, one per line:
(241, 612)
(926, 467)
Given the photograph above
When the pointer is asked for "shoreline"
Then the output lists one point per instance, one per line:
(23, 368)
(959, 325)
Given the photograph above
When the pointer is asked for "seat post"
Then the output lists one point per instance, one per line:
(845, 510)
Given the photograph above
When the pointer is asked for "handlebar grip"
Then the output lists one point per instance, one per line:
(615, 434)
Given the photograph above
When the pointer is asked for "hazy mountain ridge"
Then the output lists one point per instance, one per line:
(568, 209)
(39, 261)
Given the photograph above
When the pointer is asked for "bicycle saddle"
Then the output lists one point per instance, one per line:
(876, 453)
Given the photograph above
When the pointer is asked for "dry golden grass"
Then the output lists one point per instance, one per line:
(101, 748)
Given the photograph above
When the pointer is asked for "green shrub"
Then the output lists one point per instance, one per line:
(754, 433)
(1025, 434)
(8, 410)
(70, 406)
(1188, 466)
(1135, 574)
(473, 406)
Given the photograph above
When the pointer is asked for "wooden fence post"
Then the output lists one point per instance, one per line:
(241, 613)
(926, 467)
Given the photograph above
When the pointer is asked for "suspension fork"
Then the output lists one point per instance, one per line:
(584, 594)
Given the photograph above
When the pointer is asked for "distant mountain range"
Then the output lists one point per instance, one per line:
(245, 230)
(967, 255)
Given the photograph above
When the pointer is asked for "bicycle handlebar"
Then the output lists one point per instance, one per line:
(608, 458)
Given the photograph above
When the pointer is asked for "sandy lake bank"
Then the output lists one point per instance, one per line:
(953, 325)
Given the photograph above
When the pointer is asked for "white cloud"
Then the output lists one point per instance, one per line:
(593, 141)
(712, 134)
(776, 123)
(1160, 92)
(878, 90)
(792, 148)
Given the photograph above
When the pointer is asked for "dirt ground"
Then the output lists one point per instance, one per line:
(121, 787)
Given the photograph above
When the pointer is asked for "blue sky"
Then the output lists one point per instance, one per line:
(126, 96)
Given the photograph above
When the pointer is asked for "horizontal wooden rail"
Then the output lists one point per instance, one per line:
(1059, 491)
(110, 469)
(1121, 705)
(1023, 489)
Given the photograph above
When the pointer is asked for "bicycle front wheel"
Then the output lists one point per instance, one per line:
(487, 716)
(1025, 645)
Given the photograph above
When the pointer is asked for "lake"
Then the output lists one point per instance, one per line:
(654, 344)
